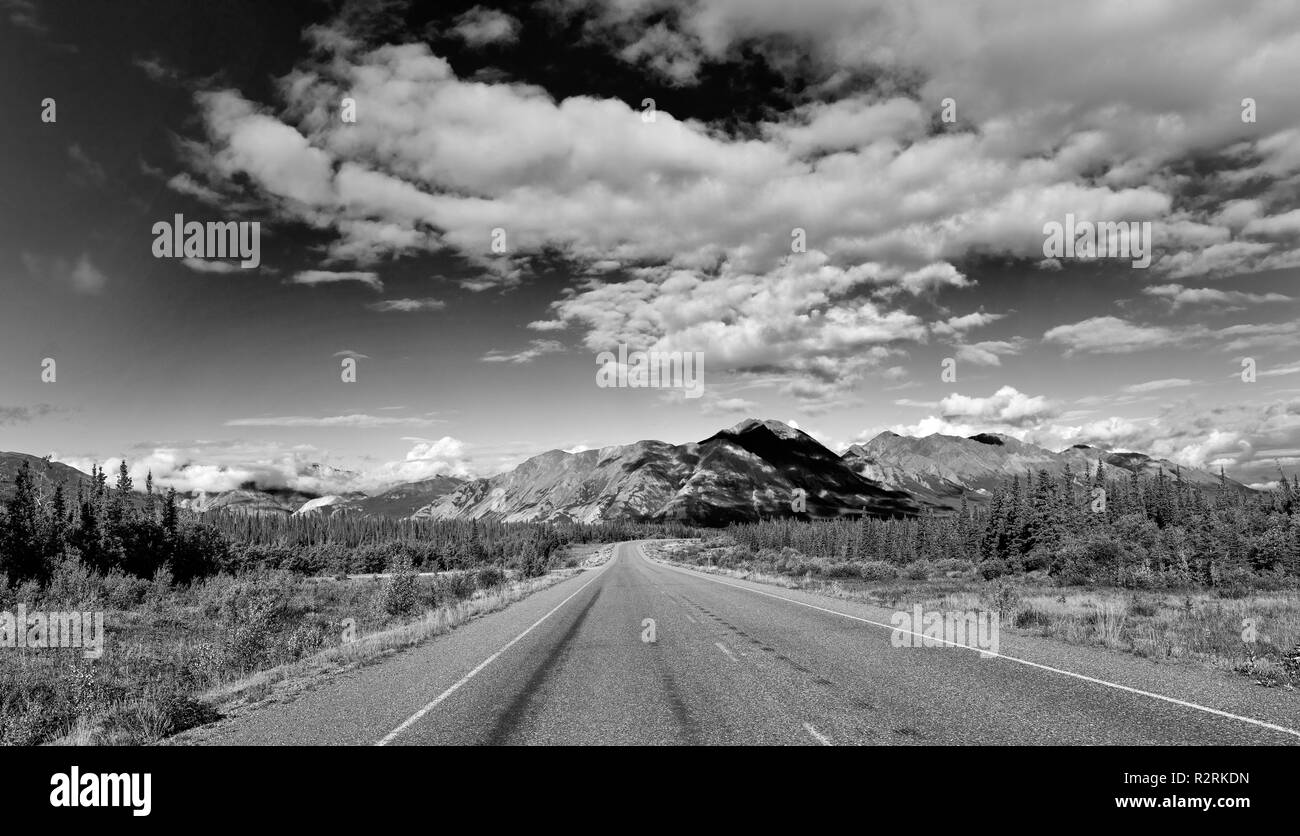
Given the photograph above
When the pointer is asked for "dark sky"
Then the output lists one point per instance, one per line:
(924, 238)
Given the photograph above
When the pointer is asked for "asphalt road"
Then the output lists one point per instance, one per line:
(733, 662)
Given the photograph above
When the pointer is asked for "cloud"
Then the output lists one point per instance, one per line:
(445, 456)
(1177, 296)
(315, 277)
(204, 265)
(681, 219)
(355, 421)
(481, 26)
(217, 466)
(1006, 406)
(157, 69)
(712, 405)
(407, 305)
(989, 352)
(14, 415)
(81, 275)
(22, 13)
(1286, 225)
(1110, 335)
(86, 172)
(1157, 385)
(536, 348)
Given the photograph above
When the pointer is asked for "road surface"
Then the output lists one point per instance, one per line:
(734, 662)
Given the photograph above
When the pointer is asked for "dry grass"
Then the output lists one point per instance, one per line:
(1187, 626)
(174, 655)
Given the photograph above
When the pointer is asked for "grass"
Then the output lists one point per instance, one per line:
(1190, 626)
(177, 657)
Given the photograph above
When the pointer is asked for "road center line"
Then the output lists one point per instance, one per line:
(1063, 672)
(821, 738)
(415, 718)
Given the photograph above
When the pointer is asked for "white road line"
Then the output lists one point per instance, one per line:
(1063, 672)
(724, 649)
(415, 718)
(821, 738)
(688, 618)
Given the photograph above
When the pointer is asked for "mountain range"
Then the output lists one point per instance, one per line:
(752, 470)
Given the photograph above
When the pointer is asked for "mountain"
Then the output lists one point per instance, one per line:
(941, 469)
(246, 500)
(403, 500)
(749, 471)
(45, 474)
(753, 470)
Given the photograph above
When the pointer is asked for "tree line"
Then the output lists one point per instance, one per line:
(114, 528)
(1127, 530)
(106, 528)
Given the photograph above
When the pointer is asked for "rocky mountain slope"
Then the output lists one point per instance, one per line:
(941, 469)
(754, 469)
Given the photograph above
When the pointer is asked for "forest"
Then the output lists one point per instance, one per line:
(1079, 528)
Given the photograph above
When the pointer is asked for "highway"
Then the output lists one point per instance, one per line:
(735, 662)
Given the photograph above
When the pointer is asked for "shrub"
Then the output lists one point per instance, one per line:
(993, 569)
(400, 596)
(72, 583)
(917, 571)
(489, 576)
(1004, 599)
(124, 592)
(843, 569)
(877, 570)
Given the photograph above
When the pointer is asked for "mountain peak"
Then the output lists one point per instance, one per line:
(778, 428)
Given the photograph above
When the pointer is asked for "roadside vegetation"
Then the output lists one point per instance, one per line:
(1161, 569)
(205, 614)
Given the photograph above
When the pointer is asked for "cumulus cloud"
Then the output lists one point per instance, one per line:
(445, 456)
(481, 26)
(1110, 335)
(1006, 406)
(214, 467)
(680, 219)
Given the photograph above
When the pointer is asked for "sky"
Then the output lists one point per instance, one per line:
(842, 205)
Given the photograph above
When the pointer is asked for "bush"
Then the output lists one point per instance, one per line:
(400, 596)
(489, 577)
(72, 583)
(917, 571)
(993, 569)
(124, 592)
(1004, 599)
(878, 570)
(841, 570)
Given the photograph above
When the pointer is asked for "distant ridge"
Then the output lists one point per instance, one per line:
(755, 469)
